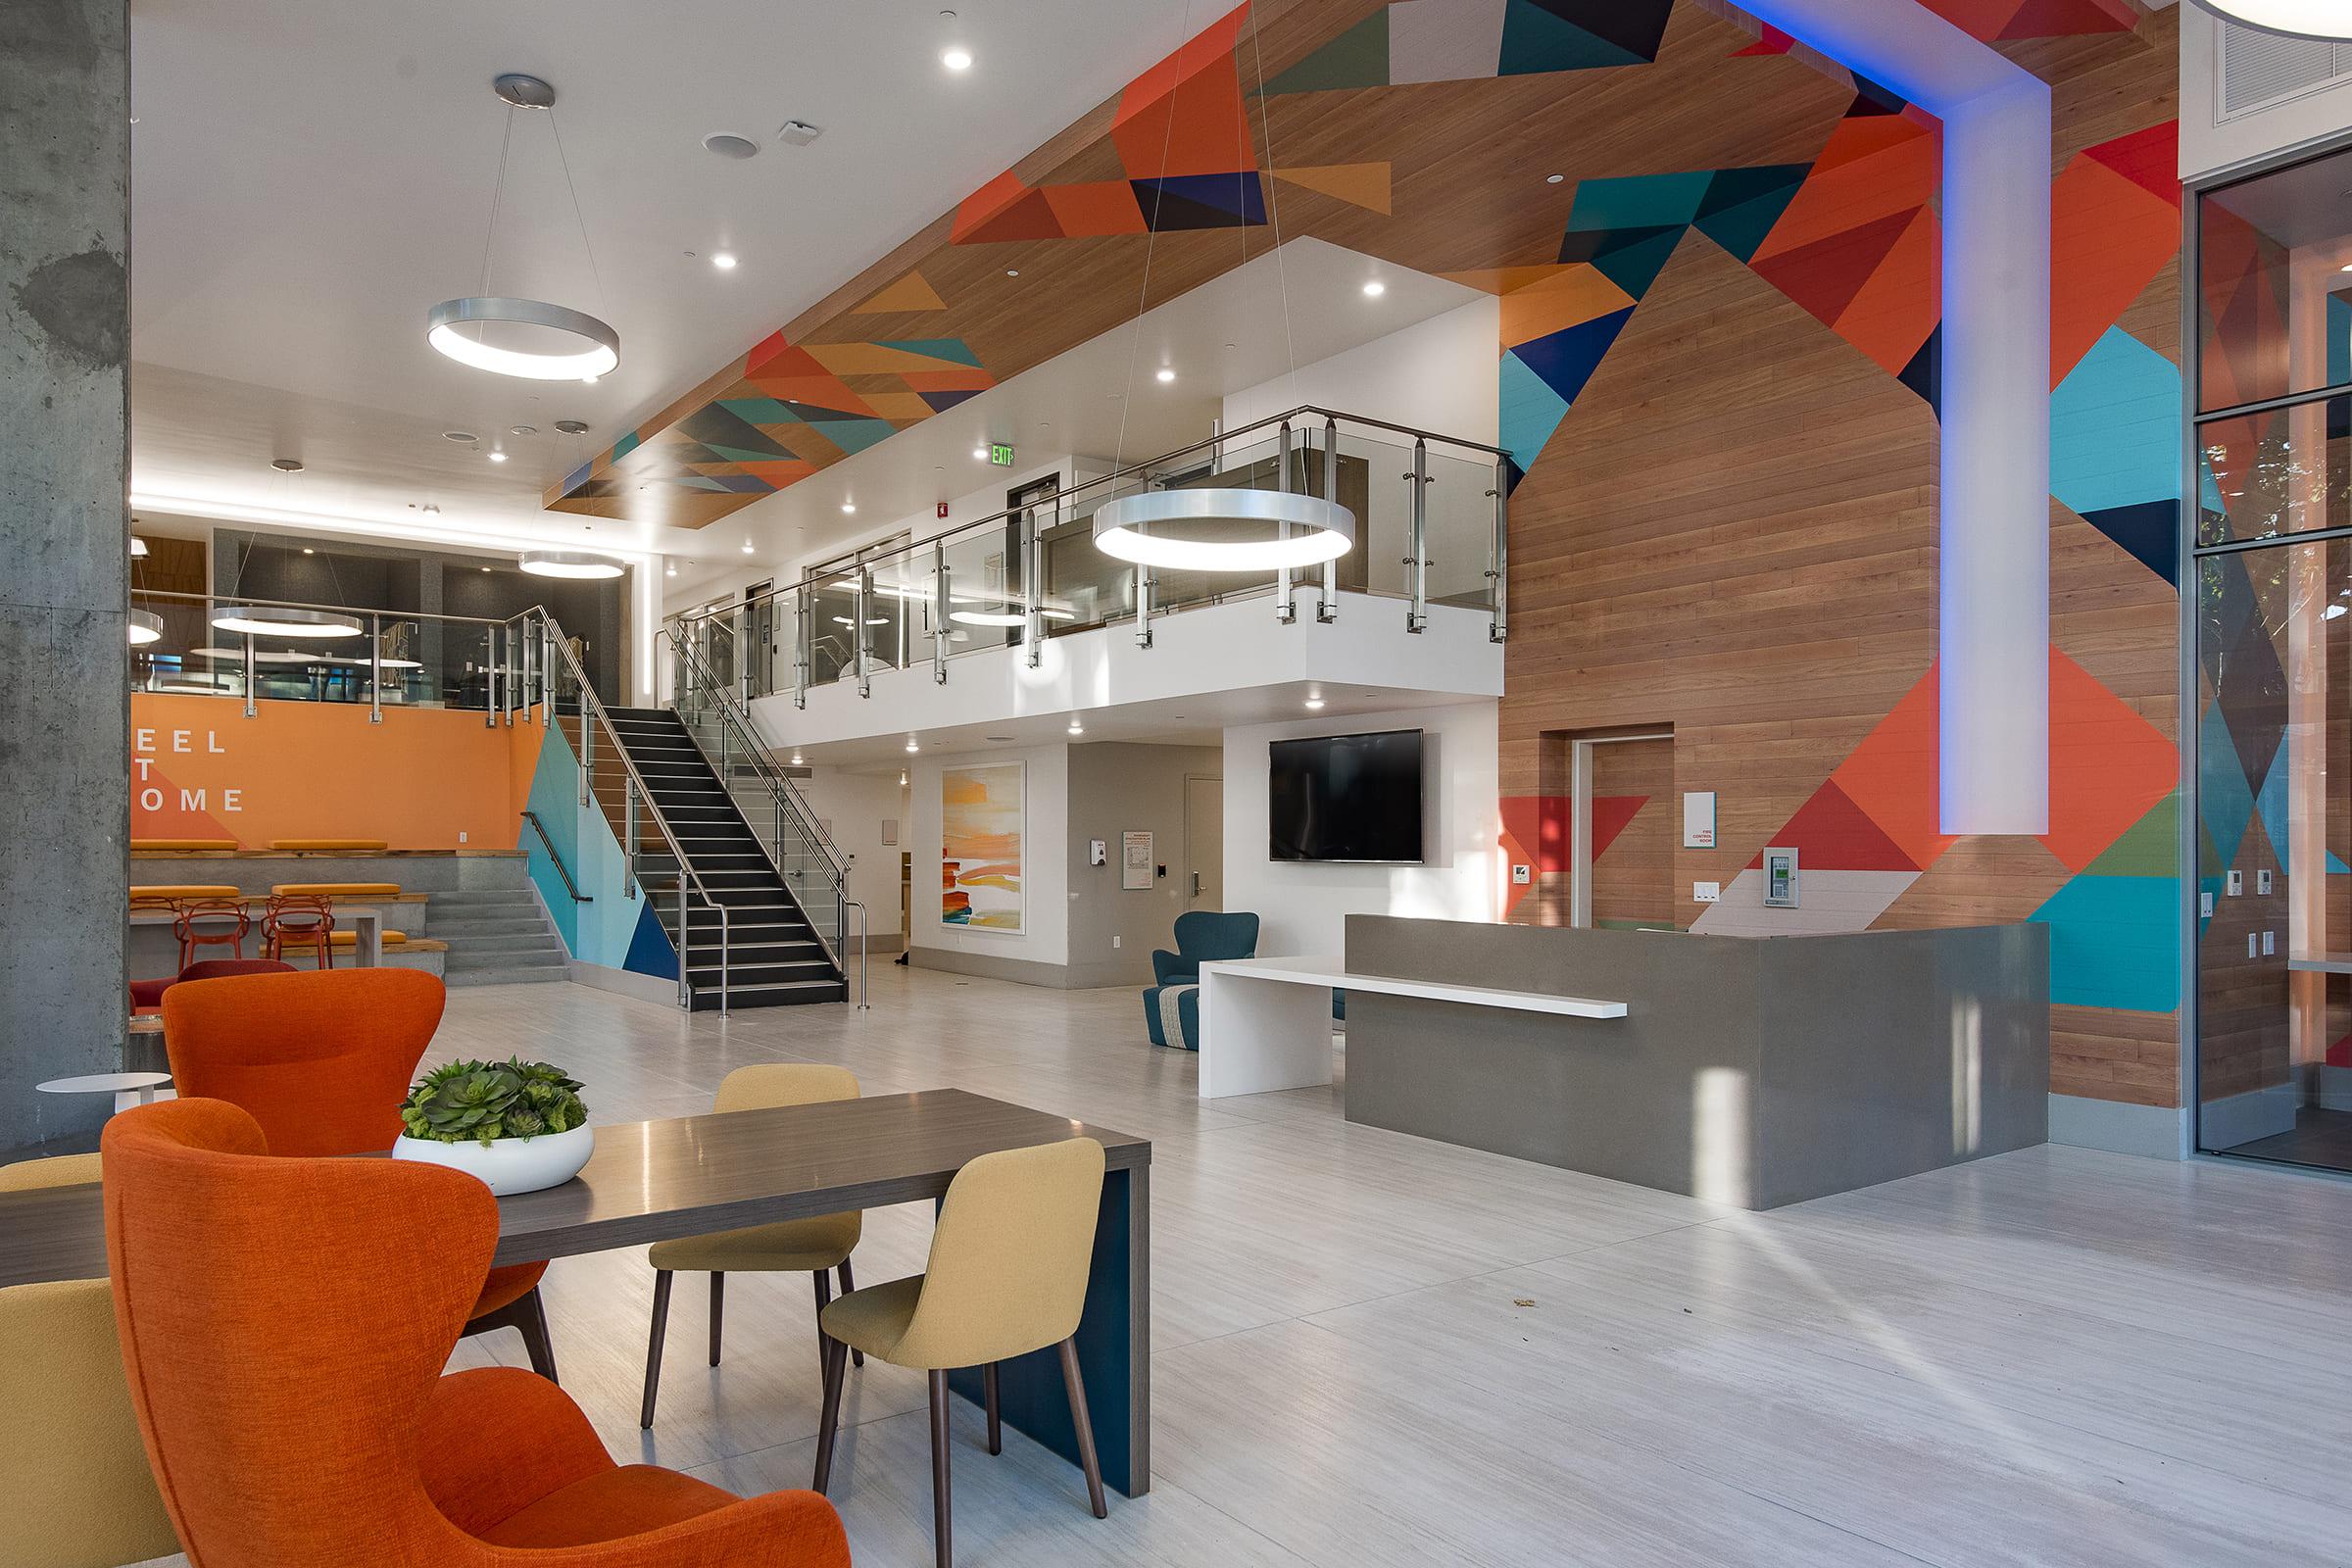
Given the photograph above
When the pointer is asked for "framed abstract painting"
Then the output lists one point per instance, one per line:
(980, 846)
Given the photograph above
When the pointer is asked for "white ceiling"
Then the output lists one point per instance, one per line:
(308, 180)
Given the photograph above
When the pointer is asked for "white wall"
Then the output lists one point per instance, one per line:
(1437, 374)
(1045, 937)
(853, 807)
(1302, 910)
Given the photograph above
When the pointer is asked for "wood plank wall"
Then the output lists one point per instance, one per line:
(1735, 533)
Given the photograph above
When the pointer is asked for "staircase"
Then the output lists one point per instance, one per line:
(773, 956)
(496, 935)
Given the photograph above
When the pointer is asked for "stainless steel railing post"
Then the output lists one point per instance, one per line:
(1033, 554)
(530, 671)
(1327, 603)
(249, 683)
(863, 1005)
(939, 612)
(1284, 610)
(375, 670)
(1142, 606)
(800, 645)
(1417, 563)
(1499, 567)
(864, 596)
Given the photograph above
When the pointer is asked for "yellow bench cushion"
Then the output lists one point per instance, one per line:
(139, 844)
(351, 939)
(181, 890)
(327, 843)
(335, 889)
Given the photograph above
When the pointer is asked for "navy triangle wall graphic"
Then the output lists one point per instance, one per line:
(1566, 360)
(2148, 533)
(1633, 27)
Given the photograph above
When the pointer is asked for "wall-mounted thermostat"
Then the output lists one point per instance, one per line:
(1779, 878)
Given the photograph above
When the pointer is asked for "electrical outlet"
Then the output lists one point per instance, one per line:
(2270, 944)
(1706, 893)
(461, 835)
(2262, 880)
(1114, 942)
(2237, 884)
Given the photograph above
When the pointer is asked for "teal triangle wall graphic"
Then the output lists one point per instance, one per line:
(937, 348)
(1356, 58)
(1530, 411)
(1743, 203)
(1534, 40)
(2225, 800)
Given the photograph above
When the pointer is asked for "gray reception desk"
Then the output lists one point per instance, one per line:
(1747, 1071)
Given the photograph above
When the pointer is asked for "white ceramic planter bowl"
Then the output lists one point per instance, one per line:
(508, 1166)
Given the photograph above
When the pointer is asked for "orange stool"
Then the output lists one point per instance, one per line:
(211, 923)
(305, 924)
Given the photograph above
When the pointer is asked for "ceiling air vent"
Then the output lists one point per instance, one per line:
(2262, 69)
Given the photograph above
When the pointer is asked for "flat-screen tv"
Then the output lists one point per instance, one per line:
(1345, 797)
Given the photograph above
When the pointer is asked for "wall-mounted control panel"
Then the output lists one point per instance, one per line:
(1779, 878)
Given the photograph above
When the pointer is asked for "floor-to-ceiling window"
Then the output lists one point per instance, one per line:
(2269, 606)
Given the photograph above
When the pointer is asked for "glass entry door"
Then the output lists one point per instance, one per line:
(2271, 621)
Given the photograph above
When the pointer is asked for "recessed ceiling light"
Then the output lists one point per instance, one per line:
(847, 507)
(485, 568)
(1375, 289)
(460, 435)
(1166, 374)
(724, 261)
(726, 144)
(795, 759)
(1013, 271)
(308, 551)
(1314, 702)
(286, 465)
(957, 59)
(498, 457)
(671, 571)
(1553, 180)
(911, 745)
(747, 547)
(981, 453)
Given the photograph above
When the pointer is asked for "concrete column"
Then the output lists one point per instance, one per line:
(65, 532)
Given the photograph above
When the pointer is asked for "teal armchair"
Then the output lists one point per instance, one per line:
(1202, 936)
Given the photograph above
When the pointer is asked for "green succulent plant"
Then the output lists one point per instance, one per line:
(482, 1100)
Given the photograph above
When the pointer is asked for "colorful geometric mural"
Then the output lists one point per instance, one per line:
(1847, 229)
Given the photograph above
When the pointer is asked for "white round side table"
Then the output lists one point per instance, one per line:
(128, 1088)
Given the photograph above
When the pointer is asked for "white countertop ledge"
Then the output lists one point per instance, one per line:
(1333, 972)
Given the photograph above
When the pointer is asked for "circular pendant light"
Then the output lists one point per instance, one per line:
(572, 564)
(2293, 19)
(1001, 609)
(283, 620)
(538, 341)
(1223, 530)
(590, 348)
(146, 626)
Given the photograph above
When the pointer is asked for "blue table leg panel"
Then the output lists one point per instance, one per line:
(1114, 1351)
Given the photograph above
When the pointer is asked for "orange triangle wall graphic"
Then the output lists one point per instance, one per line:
(913, 292)
(1364, 185)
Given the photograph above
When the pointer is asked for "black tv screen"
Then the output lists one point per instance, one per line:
(1345, 797)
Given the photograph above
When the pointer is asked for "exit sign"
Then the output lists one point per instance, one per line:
(1000, 454)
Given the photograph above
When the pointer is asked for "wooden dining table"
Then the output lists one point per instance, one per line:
(651, 1181)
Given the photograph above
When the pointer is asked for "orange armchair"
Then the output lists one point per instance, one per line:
(322, 1059)
(285, 1322)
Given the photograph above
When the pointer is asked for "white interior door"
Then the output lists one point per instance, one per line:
(1203, 843)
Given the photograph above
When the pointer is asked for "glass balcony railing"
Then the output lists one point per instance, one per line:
(392, 659)
(1431, 529)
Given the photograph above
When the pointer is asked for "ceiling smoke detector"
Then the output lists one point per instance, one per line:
(726, 144)
(523, 429)
(798, 133)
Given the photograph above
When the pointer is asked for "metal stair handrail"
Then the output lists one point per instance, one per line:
(555, 642)
(556, 856)
(789, 800)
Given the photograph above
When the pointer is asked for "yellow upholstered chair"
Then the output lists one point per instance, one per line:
(71, 1463)
(815, 1245)
(1006, 1276)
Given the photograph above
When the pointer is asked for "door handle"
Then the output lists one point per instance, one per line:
(1196, 884)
